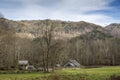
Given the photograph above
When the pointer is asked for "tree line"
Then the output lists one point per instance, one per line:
(45, 51)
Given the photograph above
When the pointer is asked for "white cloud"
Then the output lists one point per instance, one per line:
(86, 5)
(70, 10)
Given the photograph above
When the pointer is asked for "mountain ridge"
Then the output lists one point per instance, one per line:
(63, 29)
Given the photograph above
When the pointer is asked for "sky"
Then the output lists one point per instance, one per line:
(101, 12)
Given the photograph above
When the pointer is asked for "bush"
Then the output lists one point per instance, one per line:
(114, 77)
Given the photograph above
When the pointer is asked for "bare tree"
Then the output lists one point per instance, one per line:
(49, 46)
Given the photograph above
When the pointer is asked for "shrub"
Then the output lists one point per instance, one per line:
(114, 77)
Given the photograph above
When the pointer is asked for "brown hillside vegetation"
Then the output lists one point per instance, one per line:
(49, 42)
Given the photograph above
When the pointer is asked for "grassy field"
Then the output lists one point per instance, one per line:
(101, 73)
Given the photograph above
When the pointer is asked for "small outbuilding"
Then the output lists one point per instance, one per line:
(72, 64)
(22, 64)
(58, 65)
(30, 67)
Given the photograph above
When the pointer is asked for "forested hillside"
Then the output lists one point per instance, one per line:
(114, 29)
(49, 42)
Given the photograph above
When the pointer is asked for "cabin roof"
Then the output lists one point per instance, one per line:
(23, 62)
(73, 63)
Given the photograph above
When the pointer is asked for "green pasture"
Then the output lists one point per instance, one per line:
(101, 73)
